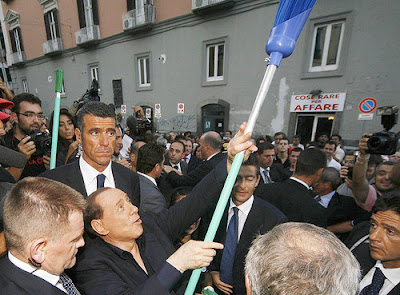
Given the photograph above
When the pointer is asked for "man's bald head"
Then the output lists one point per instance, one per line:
(210, 143)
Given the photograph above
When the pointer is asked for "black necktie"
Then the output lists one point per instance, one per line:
(267, 177)
(228, 256)
(376, 285)
(68, 285)
(176, 167)
(100, 180)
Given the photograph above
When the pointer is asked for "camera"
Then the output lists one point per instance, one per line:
(385, 142)
(90, 95)
(42, 142)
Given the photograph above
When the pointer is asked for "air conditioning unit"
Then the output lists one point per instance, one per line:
(81, 37)
(128, 23)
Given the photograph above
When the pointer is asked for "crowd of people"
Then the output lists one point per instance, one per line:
(126, 210)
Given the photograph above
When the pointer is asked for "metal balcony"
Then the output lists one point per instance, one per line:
(207, 6)
(87, 36)
(53, 46)
(135, 20)
(18, 58)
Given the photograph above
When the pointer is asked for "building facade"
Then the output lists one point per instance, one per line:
(197, 65)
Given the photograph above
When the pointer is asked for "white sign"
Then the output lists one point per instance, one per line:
(148, 113)
(157, 115)
(157, 109)
(325, 102)
(363, 117)
(123, 108)
(181, 108)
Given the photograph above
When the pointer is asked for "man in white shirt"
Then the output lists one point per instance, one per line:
(329, 149)
(251, 216)
(384, 248)
(175, 155)
(96, 133)
(43, 229)
(150, 164)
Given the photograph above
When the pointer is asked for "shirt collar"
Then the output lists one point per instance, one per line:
(48, 277)
(325, 199)
(300, 181)
(392, 274)
(89, 173)
(173, 165)
(209, 158)
(148, 177)
(245, 207)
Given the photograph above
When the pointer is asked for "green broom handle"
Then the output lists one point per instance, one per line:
(233, 172)
(56, 119)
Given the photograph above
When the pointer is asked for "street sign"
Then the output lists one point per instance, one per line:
(157, 108)
(181, 108)
(123, 108)
(148, 113)
(364, 117)
(367, 105)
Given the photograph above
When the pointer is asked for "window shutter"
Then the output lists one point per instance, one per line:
(20, 39)
(57, 23)
(47, 26)
(81, 13)
(95, 12)
(12, 38)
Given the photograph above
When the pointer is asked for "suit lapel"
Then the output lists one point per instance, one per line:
(247, 234)
(75, 179)
(395, 290)
(120, 182)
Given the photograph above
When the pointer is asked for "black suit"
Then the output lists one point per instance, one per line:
(15, 281)
(294, 200)
(151, 198)
(276, 173)
(362, 253)
(261, 219)
(194, 176)
(193, 163)
(104, 269)
(125, 179)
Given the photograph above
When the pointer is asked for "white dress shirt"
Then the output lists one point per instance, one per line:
(89, 175)
(243, 212)
(188, 158)
(392, 278)
(263, 175)
(40, 273)
(209, 158)
(148, 177)
(176, 165)
(326, 199)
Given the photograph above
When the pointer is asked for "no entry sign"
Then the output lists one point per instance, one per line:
(367, 105)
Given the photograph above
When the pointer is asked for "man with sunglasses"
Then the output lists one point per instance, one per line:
(28, 116)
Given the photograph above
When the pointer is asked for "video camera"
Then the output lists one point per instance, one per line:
(385, 142)
(90, 95)
(42, 142)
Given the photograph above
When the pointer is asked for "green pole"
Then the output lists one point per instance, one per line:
(56, 118)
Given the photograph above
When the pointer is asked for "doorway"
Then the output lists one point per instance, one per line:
(309, 126)
(213, 118)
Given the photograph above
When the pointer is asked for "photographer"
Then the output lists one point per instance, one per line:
(28, 117)
(364, 194)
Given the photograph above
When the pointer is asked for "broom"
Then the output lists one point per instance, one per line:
(289, 22)
(56, 118)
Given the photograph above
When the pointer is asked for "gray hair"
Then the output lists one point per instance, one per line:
(331, 175)
(213, 139)
(301, 258)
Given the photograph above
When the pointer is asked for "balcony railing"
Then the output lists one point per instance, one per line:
(136, 19)
(53, 46)
(87, 35)
(18, 58)
(203, 6)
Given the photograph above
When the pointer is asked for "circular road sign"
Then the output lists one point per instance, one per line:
(367, 105)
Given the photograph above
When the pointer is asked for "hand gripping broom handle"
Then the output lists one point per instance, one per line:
(56, 118)
(230, 180)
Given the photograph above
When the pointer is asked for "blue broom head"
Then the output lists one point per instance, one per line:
(289, 22)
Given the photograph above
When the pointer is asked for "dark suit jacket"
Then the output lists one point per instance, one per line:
(361, 252)
(261, 219)
(15, 281)
(151, 198)
(294, 200)
(125, 179)
(194, 176)
(184, 165)
(277, 173)
(193, 163)
(102, 269)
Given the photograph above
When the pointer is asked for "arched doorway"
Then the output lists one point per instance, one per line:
(214, 116)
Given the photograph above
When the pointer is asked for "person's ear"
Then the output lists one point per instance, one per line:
(14, 116)
(37, 252)
(258, 180)
(78, 135)
(247, 284)
(98, 227)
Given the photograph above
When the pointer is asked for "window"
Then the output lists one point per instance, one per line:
(16, 42)
(94, 74)
(328, 38)
(144, 74)
(25, 85)
(327, 43)
(88, 13)
(215, 62)
(52, 25)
